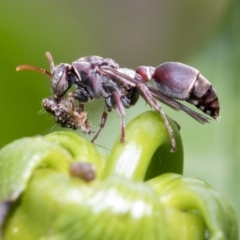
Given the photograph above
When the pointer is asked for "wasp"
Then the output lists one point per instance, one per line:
(95, 77)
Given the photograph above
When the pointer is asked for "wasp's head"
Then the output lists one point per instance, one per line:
(59, 75)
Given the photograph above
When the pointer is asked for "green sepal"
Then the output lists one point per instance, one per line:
(22, 157)
(69, 208)
(195, 197)
(146, 152)
(81, 149)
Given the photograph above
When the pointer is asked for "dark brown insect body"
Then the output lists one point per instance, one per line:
(67, 115)
(96, 77)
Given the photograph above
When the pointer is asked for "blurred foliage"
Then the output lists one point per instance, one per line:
(204, 34)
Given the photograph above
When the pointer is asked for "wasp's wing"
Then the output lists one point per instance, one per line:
(178, 106)
(124, 78)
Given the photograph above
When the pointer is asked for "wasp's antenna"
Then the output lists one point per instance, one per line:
(50, 59)
(32, 68)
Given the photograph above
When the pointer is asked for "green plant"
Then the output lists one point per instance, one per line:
(138, 192)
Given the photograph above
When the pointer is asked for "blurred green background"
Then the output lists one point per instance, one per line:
(203, 34)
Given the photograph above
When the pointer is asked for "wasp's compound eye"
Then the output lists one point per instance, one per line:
(60, 83)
